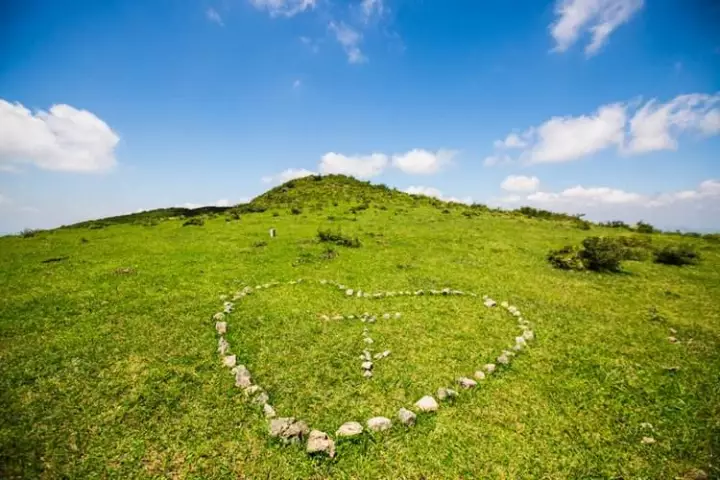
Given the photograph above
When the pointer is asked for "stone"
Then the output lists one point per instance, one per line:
(520, 341)
(647, 440)
(351, 317)
(419, 292)
(406, 417)
(505, 304)
(269, 411)
(221, 327)
(219, 316)
(319, 442)
(529, 335)
(367, 366)
(371, 319)
(480, 375)
(261, 398)
(324, 318)
(466, 383)
(646, 425)
(366, 355)
(243, 379)
(398, 314)
(368, 340)
(230, 361)
(367, 374)
(288, 429)
(379, 424)
(489, 368)
(349, 292)
(489, 303)
(349, 429)
(338, 317)
(382, 355)
(672, 339)
(223, 346)
(427, 404)
(446, 394)
(673, 331)
(503, 359)
(386, 316)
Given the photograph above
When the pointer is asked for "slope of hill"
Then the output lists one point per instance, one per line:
(109, 362)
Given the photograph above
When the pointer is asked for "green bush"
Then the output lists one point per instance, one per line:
(677, 255)
(643, 227)
(566, 258)
(583, 224)
(636, 247)
(338, 238)
(195, 221)
(615, 224)
(295, 211)
(29, 232)
(601, 254)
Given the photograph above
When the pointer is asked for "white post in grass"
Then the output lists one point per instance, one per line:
(272, 233)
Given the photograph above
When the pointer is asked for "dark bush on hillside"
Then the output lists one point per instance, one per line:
(97, 225)
(583, 224)
(446, 211)
(601, 254)
(195, 221)
(295, 211)
(260, 244)
(329, 253)
(712, 237)
(338, 238)
(359, 208)
(634, 247)
(615, 224)
(566, 258)
(677, 255)
(250, 208)
(29, 232)
(546, 214)
(232, 216)
(643, 227)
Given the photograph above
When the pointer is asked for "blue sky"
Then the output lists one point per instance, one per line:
(605, 107)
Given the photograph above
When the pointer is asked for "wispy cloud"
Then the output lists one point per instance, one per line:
(287, 175)
(285, 8)
(214, 16)
(350, 40)
(599, 18)
(435, 193)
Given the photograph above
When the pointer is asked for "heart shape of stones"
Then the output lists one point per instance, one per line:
(289, 430)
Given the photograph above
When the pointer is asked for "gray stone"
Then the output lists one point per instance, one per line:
(480, 375)
(503, 359)
(529, 335)
(367, 374)
(349, 429)
(261, 398)
(269, 411)
(221, 327)
(427, 404)
(446, 394)
(243, 379)
(219, 316)
(320, 442)
(406, 417)
(288, 429)
(386, 316)
(466, 383)
(490, 368)
(230, 361)
(223, 346)
(379, 424)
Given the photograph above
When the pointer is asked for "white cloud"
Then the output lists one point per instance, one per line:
(500, 159)
(513, 140)
(64, 138)
(651, 126)
(520, 183)
(599, 18)
(435, 193)
(356, 165)
(698, 208)
(214, 16)
(371, 8)
(287, 175)
(286, 8)
(218, 203)
(562, 139)
(423, 162)
(313, 45)
(350, 40)
(657, 126)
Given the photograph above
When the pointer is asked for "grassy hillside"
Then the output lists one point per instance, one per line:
(108, 362)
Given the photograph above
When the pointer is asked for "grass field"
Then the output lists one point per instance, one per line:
(108, 363)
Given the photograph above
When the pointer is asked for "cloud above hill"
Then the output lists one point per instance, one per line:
(64, 139)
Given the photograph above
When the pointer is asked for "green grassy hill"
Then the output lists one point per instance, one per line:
(109, 368)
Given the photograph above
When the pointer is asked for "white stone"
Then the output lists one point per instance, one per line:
(367, 366)
(349, 429)
(243, 379)
(529, 335)
(359, 293)
(269, 411)
(398, 315)
(223, 346)
(489, 367)
(320, 442)
(369, 340)
(647, 440)
(221, 327)
(367, 374)
(338, 317)
(230, 361)
(379, 424)
(503, 359)
(349, 292)
(505, 304)
(466, 383)
(386, 316)
(366, 355)
(446, 394)
(406, 417)
(427, 404)
(480, 375)
(219, 316)
(489, 303)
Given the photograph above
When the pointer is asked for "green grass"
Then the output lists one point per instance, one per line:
(108, 363)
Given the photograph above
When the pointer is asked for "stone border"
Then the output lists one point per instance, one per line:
(292, 431)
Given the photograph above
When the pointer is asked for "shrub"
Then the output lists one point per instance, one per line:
(712, 237)
(195, 221)
(446, 211)
(276, 214)
(295, 211)
(566, 258)
(634, 247)
(359, 208)
(615, 224)
(232, 216)
(29, 232)
(329, 253)
(97, 225)
(582, 224)
(643, 227)
(260, 244)
(677, 255)
(601, 254)
(338, 238)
